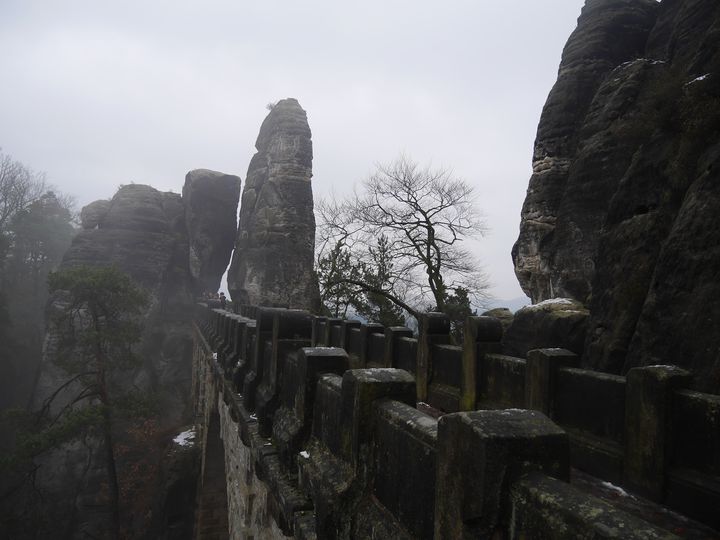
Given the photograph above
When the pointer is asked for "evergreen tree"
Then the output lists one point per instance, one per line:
(378, 274)
(98, 327)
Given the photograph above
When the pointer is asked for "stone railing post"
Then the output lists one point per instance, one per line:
(480, 454)
(540, 372)
(264, 322)
(647, 425)
(392, 334)
(360, 388)
(226, 340)
(293, 420)
(366, 330)
(434, 329)
(347, 327)
(246, 333)
(483, 335)
(292, 331)
(216, 319)
(328, 331)
(318, 331)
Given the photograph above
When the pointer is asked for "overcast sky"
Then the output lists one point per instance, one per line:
(103, 93)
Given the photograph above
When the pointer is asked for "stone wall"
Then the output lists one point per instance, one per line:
(339, 442)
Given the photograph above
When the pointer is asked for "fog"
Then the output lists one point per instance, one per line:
(100, 95)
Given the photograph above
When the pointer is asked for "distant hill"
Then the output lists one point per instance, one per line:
(513, 304)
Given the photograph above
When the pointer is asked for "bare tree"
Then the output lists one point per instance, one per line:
(19, 186)
(425, 216)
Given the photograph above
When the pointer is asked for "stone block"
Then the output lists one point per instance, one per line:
(268, 393)
(246, 346)
(292, 424)
(648, 426)
(404, 465)
(502, 383)
(392, 335)
(479, 454)
(347, 327)
(365, 331)
(292, 324)
(540, 372)
(482, 335)
(434, 329)
(547, 508)
(326, 425)
(360, 388)
(264, 327)
(292, 330)
(333, 330)
(318, 331)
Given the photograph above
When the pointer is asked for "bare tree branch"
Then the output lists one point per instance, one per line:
(425, 214)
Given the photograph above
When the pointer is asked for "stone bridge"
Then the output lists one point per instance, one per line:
(321, 428)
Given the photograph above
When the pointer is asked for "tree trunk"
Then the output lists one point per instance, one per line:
(110, 467)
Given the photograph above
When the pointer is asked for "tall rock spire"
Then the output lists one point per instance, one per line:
(273, 260)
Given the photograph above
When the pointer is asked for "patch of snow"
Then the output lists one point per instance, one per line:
(696, 79)
(508, 412)
(186, 438)
(616, 489)
(630, 62)
(305, 454)
(550, 302)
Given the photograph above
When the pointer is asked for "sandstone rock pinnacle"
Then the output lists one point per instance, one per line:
(273, 260)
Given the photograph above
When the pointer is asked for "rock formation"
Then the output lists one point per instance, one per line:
(92, 215)
(621, 210)
(148, 235)
(273, 260)
(211, 200)
(558, 322)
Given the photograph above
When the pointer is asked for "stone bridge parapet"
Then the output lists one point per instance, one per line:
(336, 429)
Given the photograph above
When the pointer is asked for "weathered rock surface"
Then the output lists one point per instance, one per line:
(211, 200)
(555, 225)
(92, 215)
(558, 322)
(273, 260)
(621, 210)
(503, 314)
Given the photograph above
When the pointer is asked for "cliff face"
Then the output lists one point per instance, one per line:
(148, 235)
(621, 210)
(273, 259)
